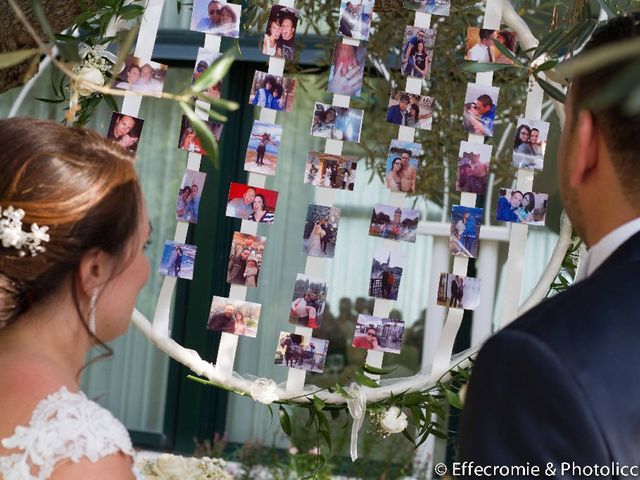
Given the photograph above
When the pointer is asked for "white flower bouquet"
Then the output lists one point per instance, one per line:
(175, 467)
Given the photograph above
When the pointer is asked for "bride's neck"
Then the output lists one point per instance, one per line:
(51, 333)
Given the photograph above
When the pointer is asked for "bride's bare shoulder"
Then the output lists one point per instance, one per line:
(25, 380)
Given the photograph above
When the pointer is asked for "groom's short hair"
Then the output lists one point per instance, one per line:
(619, 127)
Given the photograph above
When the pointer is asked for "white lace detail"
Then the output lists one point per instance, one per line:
(63, 426)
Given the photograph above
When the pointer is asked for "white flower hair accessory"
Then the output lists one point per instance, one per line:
(12, 235)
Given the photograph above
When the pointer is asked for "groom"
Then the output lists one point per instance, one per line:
(562, 383)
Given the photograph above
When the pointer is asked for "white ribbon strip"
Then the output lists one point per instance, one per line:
(357, 405)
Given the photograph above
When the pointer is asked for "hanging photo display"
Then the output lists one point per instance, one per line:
(379, 334)
(480, 104)
(189, 140)
(321, 231)
(178, 260)
(394, 223)
(355, 19)
(403, 160)
(337, 123)
(138, 75)
(432, 7)
(245, 259)
(331, 171)
(386, 273)
(417, 51)
(522, 207)
(280, 36)
(216, 18)
(203, 61)
(264, 148)
(465, 230)
(409, 110)
(530, 144)
(302, 352)
(234, 316)
(188, 202)
(309, 298)
(125, 130)
(273, 92)
(473, 167)
(347, 70)
(480, 45)
(251, 203)
(456, 291)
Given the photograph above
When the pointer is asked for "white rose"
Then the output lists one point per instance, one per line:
(264, 391)
(89, 77)
(174, 466)
(394, 421)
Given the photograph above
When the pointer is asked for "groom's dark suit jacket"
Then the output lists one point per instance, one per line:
(562, 383)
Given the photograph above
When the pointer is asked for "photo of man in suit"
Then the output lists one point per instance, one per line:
(561, 383)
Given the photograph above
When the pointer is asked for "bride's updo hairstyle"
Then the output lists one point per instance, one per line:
(79, 184)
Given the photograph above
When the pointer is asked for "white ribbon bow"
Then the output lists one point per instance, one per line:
(357, 407)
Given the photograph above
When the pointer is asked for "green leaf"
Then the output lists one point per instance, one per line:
(552, 91)
(111, 102)
(38, 11)
(209, 143)
(318, 404)
(214, 74)
(377, 371)
(507, 53)
(342, 392)
(546, 42)
(219, 102)
(362, 379)
(10, 59)
(439, 433)
(321, 461)
(312, 416)
(476, 67)
(453, 399)
(285, 421)
(212, 114)
(271, 413)
(130, 12)
(50, 100)
(618, 88)
(125, 47)
(325, 429)
(548, 65)
(408, 436)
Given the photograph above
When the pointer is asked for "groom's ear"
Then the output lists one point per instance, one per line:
(587, 141)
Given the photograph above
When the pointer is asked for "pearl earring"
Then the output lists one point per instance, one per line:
(92, 311)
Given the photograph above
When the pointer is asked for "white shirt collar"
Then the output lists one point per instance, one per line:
(602, 250)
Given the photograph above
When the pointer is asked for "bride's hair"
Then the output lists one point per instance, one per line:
(82, 186)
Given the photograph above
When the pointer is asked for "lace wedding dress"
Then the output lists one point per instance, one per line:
(63, 426)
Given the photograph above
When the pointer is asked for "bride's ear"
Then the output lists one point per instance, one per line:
(94, 271)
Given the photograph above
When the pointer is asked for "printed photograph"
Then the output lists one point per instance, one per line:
(480, 104)
(347, 69)
(522, 207)
(234, 316)
(304, 353)
(465, 231)
(456, 291)
(245, 259)
(530, 144)
(178, 260)
(216, 18)
(321, 231)
(125, 130)
(272, 91)
(309, 298)
(251, 203)
(403, 160)
(189, 139)
(394, 223)
(409, 110)
(417, 51)
(355, 19)
(380, 334)
(331, 171)
(188, 202)
(263, 148)
(204, 60)
(480, 45)
(432, 7)
(337, 123)
(386, 273)
(140, 76)
(280, 36)
(473, 167)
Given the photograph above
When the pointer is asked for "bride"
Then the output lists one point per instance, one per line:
(314, 245)
(64, 290)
